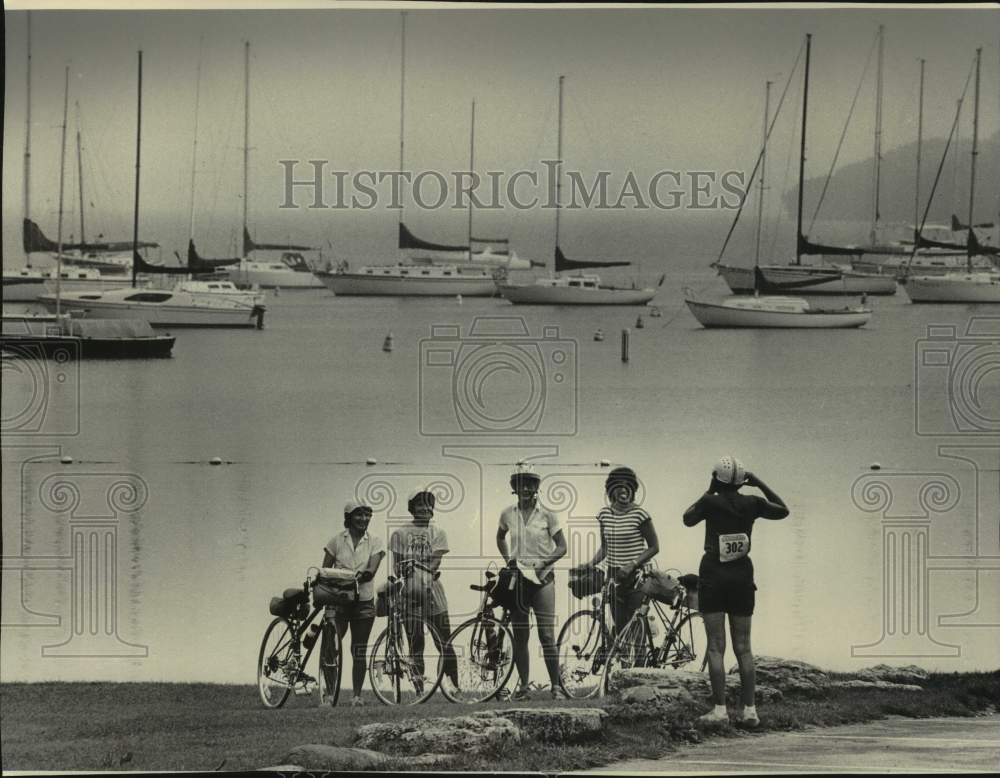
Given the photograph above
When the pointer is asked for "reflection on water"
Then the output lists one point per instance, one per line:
(300, 406)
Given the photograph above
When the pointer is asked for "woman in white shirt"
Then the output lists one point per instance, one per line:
(355, 549)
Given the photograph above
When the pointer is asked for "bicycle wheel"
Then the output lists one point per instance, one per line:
(404, 667)
(685, 644)
(583, 646)
(279, 666)
(630, 649)
(331, 665)
(484, 652)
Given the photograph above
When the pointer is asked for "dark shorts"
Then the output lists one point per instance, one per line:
(358, 611)
(726, 588)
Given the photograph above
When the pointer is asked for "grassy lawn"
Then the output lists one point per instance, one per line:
(147, 726)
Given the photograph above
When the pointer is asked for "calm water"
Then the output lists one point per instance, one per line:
(153, 565)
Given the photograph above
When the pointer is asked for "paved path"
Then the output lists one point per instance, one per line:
(899, 745)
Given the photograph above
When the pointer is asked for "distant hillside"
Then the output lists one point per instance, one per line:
(849, 196)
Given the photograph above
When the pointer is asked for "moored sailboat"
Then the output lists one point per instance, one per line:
(775, 311)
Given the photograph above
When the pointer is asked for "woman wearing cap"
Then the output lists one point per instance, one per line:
(355, 549)
(536, 542)
(424, 543)
(726, 582)
(628, 541)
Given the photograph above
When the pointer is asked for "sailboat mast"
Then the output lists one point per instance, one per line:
(920, 140)
(472, 168)
(62, 179)
(763, 173)
(402, 102)
(802, 151)
(559, 157)
(972, 172)
(877, 173)
(27, 139)
(194, 147)
(138, 151)
(246, 134)
(79, 173)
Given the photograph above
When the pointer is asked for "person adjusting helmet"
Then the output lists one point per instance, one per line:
(729, 470)
(622, 475)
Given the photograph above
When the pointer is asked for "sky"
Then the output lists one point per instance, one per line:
(646, 90)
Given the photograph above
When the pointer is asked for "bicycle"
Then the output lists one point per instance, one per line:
(581, 661)
(281, 664)
(683, 635)
(397, 663)
(484, 645)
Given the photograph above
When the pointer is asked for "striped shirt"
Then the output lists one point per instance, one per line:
(621, 534)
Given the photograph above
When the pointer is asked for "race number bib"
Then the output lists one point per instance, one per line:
(732, 547)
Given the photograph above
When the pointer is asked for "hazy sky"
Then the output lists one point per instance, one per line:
(648, 89)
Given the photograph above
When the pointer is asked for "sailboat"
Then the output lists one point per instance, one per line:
(62, 338)
(775, 311)
(427, 278)
(583, 288)
(188, 304)
(970, 285)
(292, 271)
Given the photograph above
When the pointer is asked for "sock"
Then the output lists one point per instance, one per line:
(750, 711)
(720, 710)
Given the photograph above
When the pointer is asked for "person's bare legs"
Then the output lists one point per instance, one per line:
(739, 629)
(715, 633)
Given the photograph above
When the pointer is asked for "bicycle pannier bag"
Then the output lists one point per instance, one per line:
(587, 581)
(660, 586)
(335, 592)
(292, 604)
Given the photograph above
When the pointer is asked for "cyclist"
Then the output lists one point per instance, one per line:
(536, 543)
(362, 551)
(424, 543)
(628, 541)
(726, 583)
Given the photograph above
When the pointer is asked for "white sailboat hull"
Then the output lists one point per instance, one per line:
(770, 313)
(534, 294)
(808, 280)
(954, 288)
(925, 263)
(285, 278)
(182, 311)
(28, 289)
(355, 284)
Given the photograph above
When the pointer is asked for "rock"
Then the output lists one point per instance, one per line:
(762, 694)
(789, 675)
(553, 725)
(282, 768)
(427, 760)
(438, 735)
(321, 757)
(910, 674)
(669, 694)
(858, 684)
(695, 683)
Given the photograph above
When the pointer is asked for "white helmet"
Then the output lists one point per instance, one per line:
(729, 470)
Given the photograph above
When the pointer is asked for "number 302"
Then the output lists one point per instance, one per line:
(733, 547)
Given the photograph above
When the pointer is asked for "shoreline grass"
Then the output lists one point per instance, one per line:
(187, 726)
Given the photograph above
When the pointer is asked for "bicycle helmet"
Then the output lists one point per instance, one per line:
(523, 474)
(353, 506)
(621, 475)
(729, 470)
(421, 497)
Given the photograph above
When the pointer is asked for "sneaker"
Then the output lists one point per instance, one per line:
(749, 719)
(557, 693)
(357, 702)
(522, 693)
(714, 716)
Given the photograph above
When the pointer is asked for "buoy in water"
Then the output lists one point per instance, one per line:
(277, 291)
(875, 466)
(459, 298)
(370, 461)
(605, 463)
(66, 459)
(387, 343)
(215, 461)
(639, 323)
(599, 335)
(655, 313)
